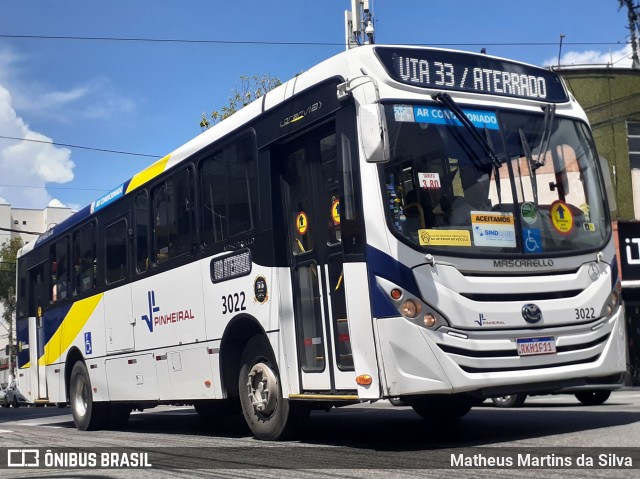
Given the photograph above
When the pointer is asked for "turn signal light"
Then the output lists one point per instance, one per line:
(396, 294)
(364, 380)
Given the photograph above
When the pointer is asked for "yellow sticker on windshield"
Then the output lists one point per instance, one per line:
(444, 237)
(561, 217)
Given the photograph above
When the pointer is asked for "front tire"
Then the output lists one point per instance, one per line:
(269, 416)
(593, 398)
(511, 400)
(442, 409)
(87, 414)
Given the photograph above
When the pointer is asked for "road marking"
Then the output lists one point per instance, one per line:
(2, 431)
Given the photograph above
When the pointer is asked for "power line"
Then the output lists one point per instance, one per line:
(290, 43)
(54, 188)
(103, 150)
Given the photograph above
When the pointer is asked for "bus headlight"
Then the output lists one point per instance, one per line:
(613, 301)
(410, 308)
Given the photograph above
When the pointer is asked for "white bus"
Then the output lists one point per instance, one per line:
(396, 222)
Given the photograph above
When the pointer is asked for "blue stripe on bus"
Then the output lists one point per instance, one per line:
(384, 266)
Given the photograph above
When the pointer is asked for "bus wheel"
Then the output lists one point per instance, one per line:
(512, 400)
(87, 415)
(593, 398)
(269, 416)
(442, 409)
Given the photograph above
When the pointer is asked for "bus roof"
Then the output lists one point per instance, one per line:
(423, 67)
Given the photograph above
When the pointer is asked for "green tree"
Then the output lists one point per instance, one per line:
(8, 254)
(251, 88)
(634, 27)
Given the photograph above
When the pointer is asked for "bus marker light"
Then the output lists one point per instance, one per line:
(396, 294)
(207, 384)
(364, 380)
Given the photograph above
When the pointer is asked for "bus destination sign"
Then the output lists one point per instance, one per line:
(448, 70)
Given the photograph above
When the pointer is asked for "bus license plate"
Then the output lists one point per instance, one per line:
(534, 346)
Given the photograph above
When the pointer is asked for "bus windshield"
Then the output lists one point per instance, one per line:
(521, 183)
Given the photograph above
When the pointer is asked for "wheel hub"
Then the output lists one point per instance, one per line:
(262, 388)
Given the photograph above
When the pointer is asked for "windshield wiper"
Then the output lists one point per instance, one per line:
(549, 115)
(533, 166)
(446, 100)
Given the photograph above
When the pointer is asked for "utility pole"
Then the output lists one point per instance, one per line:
(632, 16)
(358, 24)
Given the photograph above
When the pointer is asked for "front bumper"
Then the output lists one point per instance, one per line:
(418, 361)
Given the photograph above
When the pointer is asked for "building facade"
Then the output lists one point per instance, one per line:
(611, 100)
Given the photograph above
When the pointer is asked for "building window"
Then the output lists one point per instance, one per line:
(633, 139)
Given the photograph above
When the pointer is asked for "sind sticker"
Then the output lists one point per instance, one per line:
(444, 238)
(493, 229)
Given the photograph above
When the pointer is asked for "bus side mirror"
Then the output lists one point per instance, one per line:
(608, 184)
(374, 137)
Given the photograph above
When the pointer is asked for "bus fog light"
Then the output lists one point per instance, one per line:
(429, 320)
(410, 308)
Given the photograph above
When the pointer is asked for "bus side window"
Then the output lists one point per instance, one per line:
(172, 217)
(84, 259)
(229, 189)
(116, 251)
(142, 232)
(59, 280)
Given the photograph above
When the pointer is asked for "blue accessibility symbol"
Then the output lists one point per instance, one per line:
(88, 346)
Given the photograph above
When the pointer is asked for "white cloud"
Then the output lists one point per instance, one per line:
(56, 203)
(26, 164)
(620, 58)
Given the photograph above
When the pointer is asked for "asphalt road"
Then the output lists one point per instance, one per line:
(376, 440)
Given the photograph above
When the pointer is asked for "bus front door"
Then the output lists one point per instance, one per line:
(311, 194)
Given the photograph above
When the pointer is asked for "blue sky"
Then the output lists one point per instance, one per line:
(147, 97)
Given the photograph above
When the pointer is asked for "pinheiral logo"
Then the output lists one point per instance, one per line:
(156, 318)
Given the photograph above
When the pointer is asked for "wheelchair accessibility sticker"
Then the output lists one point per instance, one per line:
(532, 240)
(88, 346)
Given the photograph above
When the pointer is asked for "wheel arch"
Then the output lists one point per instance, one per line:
(73, 356)
(234, 339)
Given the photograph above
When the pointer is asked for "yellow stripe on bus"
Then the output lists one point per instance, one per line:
(148, 173)
(71, 326)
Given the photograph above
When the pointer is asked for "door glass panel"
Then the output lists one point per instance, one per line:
(300, 198)
(342, 339)
(330, 188)
(309, 319)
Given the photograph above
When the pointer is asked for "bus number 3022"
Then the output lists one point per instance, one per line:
(233, 303)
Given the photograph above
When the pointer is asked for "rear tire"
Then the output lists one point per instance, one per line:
(269, 416)
(442, 409)
(511, 400)
(593, 398)
(87, 414)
